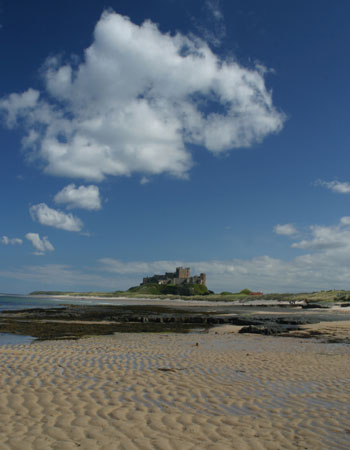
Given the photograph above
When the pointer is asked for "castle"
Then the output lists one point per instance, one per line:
(181, 276)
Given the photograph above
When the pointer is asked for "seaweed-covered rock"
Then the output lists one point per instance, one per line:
(293, 321)
(244, 321)
(267, 331)
(314, 306)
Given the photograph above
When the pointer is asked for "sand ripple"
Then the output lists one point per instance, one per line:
(198, 391)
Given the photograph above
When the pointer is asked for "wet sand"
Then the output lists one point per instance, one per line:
(216, 390)
(326, 330)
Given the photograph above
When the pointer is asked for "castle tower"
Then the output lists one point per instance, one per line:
(182, 273)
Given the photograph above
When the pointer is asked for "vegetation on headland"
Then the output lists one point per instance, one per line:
(201, 292)
(147, 290)
(185, 290)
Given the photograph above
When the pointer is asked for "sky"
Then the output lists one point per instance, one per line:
(137, 136)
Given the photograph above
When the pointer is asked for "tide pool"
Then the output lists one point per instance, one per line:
(14, 339)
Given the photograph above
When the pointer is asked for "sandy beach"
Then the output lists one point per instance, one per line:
(162, 301)
(216, 390)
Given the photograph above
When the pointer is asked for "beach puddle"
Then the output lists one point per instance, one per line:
(14, 339)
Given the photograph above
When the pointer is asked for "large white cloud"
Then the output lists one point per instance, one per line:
(83, 197)
(40, 244)
(54, 218)
(135, 101)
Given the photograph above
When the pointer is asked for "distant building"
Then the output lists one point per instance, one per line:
(181, 276)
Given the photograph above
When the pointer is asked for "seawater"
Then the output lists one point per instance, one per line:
(16, 302)
(14, 339)
(10, 302)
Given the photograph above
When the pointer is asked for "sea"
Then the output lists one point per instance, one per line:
(12, 302)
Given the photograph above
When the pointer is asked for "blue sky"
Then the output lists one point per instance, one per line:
(138, 136)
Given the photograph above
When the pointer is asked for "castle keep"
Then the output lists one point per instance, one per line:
(181, 276)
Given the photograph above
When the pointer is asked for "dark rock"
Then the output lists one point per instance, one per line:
(293, 321)
(267, 331)
(244, 321)
(314, 306)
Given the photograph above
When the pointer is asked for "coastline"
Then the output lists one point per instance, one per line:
(185, 301)
(133, 300)
(80, 317)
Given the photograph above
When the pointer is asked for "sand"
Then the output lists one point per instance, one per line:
(166, 301)
(217, 390)
(327, 330)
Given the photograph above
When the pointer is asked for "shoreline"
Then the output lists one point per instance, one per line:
(77, 320)
(184, 301)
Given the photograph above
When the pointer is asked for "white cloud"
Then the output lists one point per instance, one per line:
(144, 180)
(41, 245)
(309, 272)
(135, 102)
(11, 241)
(231, 268)
(335, 186)
(214, 30)
(60, 277)
(345, 220)
(325, 265)
(324, 238)
(83, 197)
(18, 105)
(54, 218)
(214, 8)
(141, 267)
(287, 229)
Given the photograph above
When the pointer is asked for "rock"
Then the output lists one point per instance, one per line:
(314, 306)
(267, 331)
(293, 321)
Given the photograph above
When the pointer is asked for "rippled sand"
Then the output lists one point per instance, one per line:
(198, 391)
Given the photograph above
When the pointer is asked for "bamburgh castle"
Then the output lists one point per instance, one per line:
(181, 276)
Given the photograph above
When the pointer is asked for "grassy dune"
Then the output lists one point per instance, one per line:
(154, 292)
